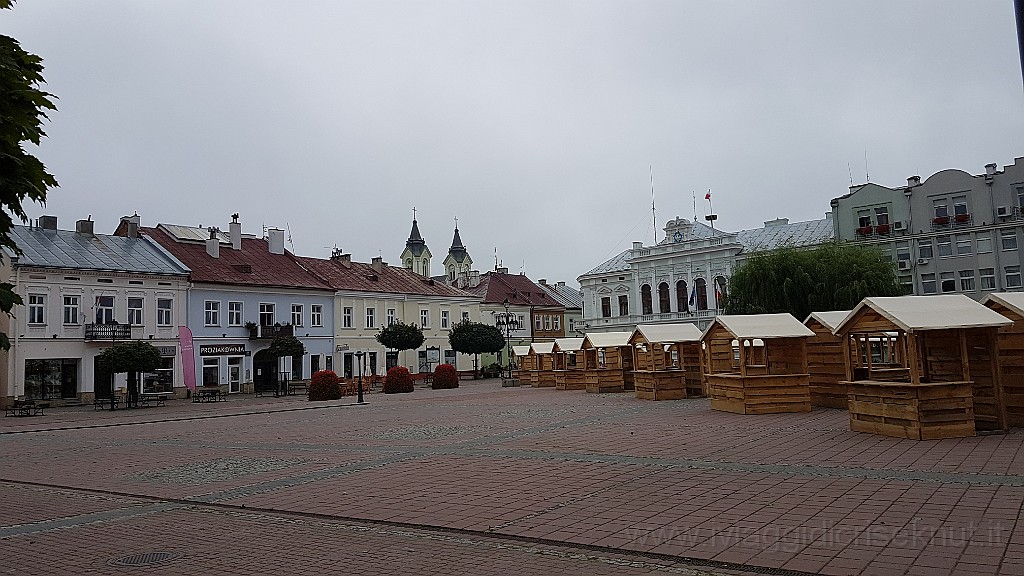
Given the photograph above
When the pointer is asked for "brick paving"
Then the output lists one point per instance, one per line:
(490, 480)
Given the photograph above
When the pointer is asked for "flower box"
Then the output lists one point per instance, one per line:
(961, 218)
(941, 220)
(864, 230)
(882, 229)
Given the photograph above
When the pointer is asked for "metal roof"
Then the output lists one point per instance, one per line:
(778, 235)
(668, 333)
(828, 319)
(616, 264)
(568, 344)
(566, 295)
(67, 249)
(196, 234)
(520, 350)
(606, 339)
(542, 347)
(745, 326)
(936, 312)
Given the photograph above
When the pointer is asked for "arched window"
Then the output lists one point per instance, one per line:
(719, 291)
(663, 303)
(645, 299)
(681, 297)
(702, 293)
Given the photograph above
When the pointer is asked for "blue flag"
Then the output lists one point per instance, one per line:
(693, 295)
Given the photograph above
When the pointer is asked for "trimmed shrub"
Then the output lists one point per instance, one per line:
(398, 381)
(325, 385)
(491, 370)
(445, 377)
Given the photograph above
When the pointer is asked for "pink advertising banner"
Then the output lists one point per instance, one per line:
(188, 357)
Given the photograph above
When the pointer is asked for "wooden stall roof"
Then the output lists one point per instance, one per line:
(666, 333)
(1014, 301)
(829, 320)
(606, 340)
(568, 344)
(521, 350)
(542, 347)
(747, 326)
(921, 313)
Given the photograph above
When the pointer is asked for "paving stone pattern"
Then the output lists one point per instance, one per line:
(491, 480)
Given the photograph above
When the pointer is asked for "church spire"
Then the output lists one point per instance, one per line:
(416, 256)
(458, 260)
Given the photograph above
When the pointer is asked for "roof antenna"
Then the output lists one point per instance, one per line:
(850, 170)
(694, 192)
(867, 176)
(290, 243)
(654, 215)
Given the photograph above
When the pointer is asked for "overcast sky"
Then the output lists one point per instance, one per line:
(536, 123)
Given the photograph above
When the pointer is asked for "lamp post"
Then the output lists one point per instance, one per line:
(359, 358)
(509, 323)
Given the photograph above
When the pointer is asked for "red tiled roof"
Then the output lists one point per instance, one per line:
(253, 265)
(392, 279)
(495, 287)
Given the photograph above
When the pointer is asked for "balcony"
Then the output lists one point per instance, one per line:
(108, 332)
(266, 332)
(882, 229)
(864, 231)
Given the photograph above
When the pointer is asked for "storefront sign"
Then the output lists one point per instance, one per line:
(222, 350)
(167, 350)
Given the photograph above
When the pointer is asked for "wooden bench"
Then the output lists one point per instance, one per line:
(26, 408)
(295, 386)
(103, 403)
(208, 394)
(154, 398)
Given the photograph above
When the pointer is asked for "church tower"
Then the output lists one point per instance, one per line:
(458, 260)
(416, 256)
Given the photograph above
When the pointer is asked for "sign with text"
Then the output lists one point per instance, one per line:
(222, 350)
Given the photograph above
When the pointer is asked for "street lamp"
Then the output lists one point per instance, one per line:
(359, 358)
(510, 324)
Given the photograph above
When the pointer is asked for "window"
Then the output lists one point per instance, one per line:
(1012, 276)
(316, 315)
(903, 250)
(212, 309)
(882, 216)
(663, 305)
(36, 308)
(623, 305)
(522, 322)
(465, 317)
(547, 322)
(940, 209)
(391, 316)
(163, 311)
(1009, 239)
(984, 244)
(1020, 196)
(371, 317)
(960, 206)
(645, 299)
(556, 323)
(424, 318)
(71, 309)
(606, 307)
(948, 281)
(907, 282)
(267, 314)
(346, 317)
(963, 244)
(924, 249)
(296, 314)
(987, 278)
(104, 309)
(682, 304)
(863, 218)
(211, 371)
(967, 280)
(444, 318)
(296, 367)
(538, 322)
(234, 313)
(135, 311)
(945, 246)
(928, 283)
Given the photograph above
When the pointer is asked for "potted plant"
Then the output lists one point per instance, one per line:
(252, 328)
(882, 229)
(961, 218)
(941, 220)
(864, 230)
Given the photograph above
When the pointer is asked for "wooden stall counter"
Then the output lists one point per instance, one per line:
(926, 411)
(761, 394)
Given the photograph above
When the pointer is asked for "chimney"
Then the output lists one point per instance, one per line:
(561, 283)
(638, 245)
(48, 222)
(213, 244)
(275, 238)
(914, 181)
(378, 264)
(84, 226)
(990, 170)
(235, 232)
(542, 282)
(776, 222)
(501, 270)
(131, 225)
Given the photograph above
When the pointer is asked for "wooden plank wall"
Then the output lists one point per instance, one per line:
(1011, 364)
(759, 394)
(826, 367)
(909, 411)
(786, 355)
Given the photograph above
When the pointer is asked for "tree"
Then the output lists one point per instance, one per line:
(400, 336)
(282, 346)
(833, 276)
(475, 338)
(130, 358)
(23, 109)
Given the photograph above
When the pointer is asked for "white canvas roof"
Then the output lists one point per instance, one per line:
(669, 333)
(1012, 300)
(568, 344)
(542, 347)
(828, 319)
(938, 312)
(608, 339)
(782, 325)
(520, 350)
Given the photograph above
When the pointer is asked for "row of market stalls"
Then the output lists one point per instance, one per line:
(918, 367)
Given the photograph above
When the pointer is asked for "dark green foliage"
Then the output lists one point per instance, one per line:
(831, 277)
(445, 377)
(492, 370)
(401, 336)
(475, 338)
(130, 357)
(398, 381)
(325, 385)
(286, 346)
(22, 176)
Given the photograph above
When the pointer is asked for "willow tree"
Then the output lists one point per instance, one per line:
(833, 276)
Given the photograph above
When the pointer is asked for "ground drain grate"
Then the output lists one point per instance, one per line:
(145, 559)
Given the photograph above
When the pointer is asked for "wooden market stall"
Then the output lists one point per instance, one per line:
(543, 372)
(825, 360)
(569, 372)
(1011, 352)
(747, 379)
(666, 361)
(942, 377)
(608, 361)
(523, 363)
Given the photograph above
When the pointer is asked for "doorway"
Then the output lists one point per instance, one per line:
(103, 381)
(264, 371)
(234, 374)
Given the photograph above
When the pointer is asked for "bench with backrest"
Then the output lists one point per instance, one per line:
(26, 408)
(152, 398)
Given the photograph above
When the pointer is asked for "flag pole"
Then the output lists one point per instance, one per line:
(654, 215)
(710, 217)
